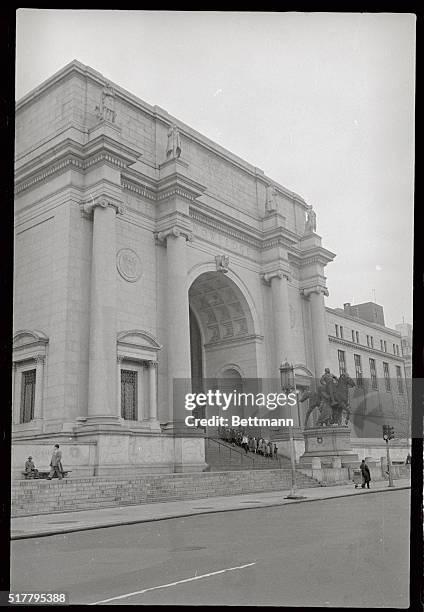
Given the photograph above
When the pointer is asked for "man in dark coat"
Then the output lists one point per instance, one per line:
(366, 476)
(56, 464)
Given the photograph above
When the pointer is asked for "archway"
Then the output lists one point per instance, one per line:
(223, 342)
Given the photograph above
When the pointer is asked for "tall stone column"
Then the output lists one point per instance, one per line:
(16, 393)
(102, 395)
(119, 361)
(178, 321)
(153, 398)
(280, 307)
(319, 328)
(39, 381)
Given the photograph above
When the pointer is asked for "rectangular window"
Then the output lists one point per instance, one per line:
(129, 395)
(357, 337)
(353, 336)
(27, 396)
(397, 349)
(385, 346)
(386, 375)
(372, 341)
(373, 372)
(368, 340)
(337, 331)
(342, 362)
(381, 345)
(341, 331)
(399, 379)
(394, 349)
(358, 370)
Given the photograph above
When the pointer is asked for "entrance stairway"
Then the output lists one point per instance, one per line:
(224, 457)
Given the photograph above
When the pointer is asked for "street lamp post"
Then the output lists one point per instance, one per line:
(288, 385)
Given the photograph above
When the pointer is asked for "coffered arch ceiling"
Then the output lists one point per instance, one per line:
(220, 307)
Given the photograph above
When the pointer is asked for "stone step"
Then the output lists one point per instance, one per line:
(41, 497)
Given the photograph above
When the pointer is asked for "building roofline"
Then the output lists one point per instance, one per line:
(76, 66)
(339, 312)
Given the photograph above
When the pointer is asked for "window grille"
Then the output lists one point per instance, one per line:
(27, 396)
(342, 362)
(373, 372)
(129, 395)
(399, 379)
(358, 370)
(386, 375)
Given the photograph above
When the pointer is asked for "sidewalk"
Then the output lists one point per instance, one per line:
(67, 522)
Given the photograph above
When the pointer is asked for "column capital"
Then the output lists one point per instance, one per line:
(174, 232)
(39, 358)
(119, 359)
(316, 289)
(267, 277)
(103, 202)
(153, 363)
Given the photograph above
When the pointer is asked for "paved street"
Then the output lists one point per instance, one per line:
(339, 552)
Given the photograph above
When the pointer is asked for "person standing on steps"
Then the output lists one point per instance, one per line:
(56, 464)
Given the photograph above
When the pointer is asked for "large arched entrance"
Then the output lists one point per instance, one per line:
(223, 342)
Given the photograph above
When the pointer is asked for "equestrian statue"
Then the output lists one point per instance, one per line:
(332, 399)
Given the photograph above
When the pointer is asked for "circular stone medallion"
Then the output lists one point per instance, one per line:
(129, 265)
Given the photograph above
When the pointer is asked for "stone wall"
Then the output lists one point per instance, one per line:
(42, 496)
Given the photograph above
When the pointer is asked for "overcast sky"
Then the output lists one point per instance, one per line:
(323, 103)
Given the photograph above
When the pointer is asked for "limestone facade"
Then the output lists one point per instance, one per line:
(131, 230)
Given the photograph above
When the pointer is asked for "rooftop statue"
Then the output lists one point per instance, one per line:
(173, 147)
(311, 221)
(106, 108)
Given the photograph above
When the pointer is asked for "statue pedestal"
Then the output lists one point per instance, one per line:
(327, 443)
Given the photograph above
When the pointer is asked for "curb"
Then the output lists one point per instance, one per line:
(209, 511)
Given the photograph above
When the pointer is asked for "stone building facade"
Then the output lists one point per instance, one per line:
(144, 254)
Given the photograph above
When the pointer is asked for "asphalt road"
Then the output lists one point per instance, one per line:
(351, 551)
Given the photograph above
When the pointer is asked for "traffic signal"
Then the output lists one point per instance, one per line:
(388, 432)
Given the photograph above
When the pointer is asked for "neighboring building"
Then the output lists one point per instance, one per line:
(405, 330)
(371, 354)
(368, 311)
(146, 254)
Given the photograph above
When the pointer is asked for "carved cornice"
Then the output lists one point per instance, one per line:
(176, 191)
(72, 156)
(360, 347)
(140, 189)
(306, 292)
(316, 255)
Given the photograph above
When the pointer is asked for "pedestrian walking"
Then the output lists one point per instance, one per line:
(56, 464)
(366, 476)
(275, 451)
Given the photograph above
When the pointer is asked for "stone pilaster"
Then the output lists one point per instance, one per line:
(102, 393)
